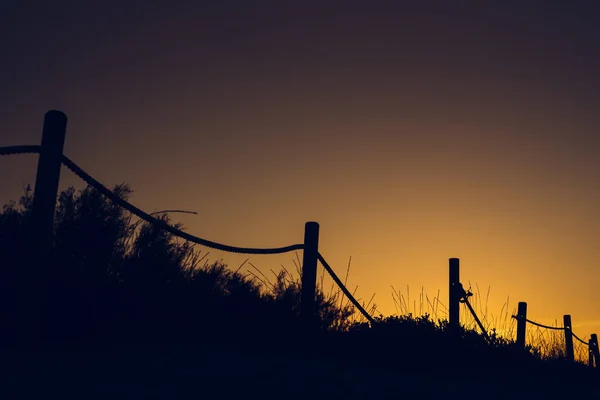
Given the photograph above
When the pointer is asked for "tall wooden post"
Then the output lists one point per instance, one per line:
(36, 319)
(570, 353)
(454, 307)
(594, 340)
(521, 324)
(309, 271)
(47, 177)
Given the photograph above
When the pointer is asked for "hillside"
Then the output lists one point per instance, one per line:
(122, 309)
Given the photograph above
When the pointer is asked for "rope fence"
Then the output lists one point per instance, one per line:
(87, 178)
(556, 328)
(51, 157)
(218, 246)
(177, 232)
(559, 345)
(563, 345)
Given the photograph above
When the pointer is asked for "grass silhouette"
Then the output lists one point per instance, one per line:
(132, 297)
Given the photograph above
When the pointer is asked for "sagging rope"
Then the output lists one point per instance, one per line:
(244, 250)
(556, 328)
(148, 218)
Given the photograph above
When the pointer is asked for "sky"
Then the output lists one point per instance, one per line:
(413, 132)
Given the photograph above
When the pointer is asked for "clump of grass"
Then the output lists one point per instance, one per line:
(426, 306)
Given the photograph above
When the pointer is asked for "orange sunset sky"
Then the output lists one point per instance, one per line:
(411, 133)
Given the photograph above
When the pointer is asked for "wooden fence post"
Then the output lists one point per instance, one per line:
(35, 318)
(309, 271)
(454, 303)
(570, 353)
(521, 324)
(590, 353)
(594, 340)
(47, 178)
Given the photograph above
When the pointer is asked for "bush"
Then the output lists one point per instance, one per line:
(111, 277)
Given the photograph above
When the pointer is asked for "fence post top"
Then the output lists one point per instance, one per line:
(56, 114)
(454, 259)
(312, 224)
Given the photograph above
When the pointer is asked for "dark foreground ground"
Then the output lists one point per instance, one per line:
(219, 373)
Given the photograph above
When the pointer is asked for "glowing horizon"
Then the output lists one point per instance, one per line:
(412, 134)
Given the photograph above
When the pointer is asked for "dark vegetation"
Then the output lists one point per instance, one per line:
(111, 279)
(115, 284)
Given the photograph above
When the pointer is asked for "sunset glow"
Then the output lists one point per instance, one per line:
(412, 135)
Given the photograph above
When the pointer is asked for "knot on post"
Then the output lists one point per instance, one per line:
(462, 293)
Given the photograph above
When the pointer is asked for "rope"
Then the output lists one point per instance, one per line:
(345, 290)
(576, 337)
(148, 218)
(540, 325)
(483, 331)
(27, 149)
(464, 298)
(173, 211)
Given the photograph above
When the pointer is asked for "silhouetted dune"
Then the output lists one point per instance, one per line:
(121, 309)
